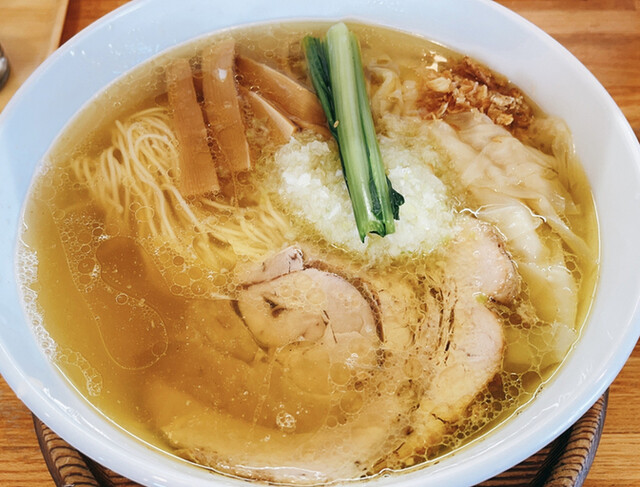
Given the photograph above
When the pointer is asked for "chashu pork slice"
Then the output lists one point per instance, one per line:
(305, 305)
(208, 436)
(471, 357)
(461, 341)
(281, 384)
(478, 263)
(460, 358)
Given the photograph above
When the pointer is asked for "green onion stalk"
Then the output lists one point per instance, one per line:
(335, 68)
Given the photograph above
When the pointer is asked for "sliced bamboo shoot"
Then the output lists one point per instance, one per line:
(197, 168)
(281, 128)
(320, 129)
(222, 106)
(294, 99)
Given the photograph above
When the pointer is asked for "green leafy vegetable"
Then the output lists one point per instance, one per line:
(335, 67)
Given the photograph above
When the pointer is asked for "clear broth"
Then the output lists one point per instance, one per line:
(73, 303)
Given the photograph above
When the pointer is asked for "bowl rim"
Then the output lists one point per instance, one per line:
(39, 400)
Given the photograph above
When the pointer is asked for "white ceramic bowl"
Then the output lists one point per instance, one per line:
(484, 30)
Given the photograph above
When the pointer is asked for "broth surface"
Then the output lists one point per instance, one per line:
(152, 328)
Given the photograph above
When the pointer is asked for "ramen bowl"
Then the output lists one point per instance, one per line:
(73, 76)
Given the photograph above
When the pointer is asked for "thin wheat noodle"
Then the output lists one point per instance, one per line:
(139, 170)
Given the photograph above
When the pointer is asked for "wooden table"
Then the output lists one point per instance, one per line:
(605, 36)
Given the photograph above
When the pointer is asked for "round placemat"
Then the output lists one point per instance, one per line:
(565, 462)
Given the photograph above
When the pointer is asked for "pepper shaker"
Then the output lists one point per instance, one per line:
(4, 68)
